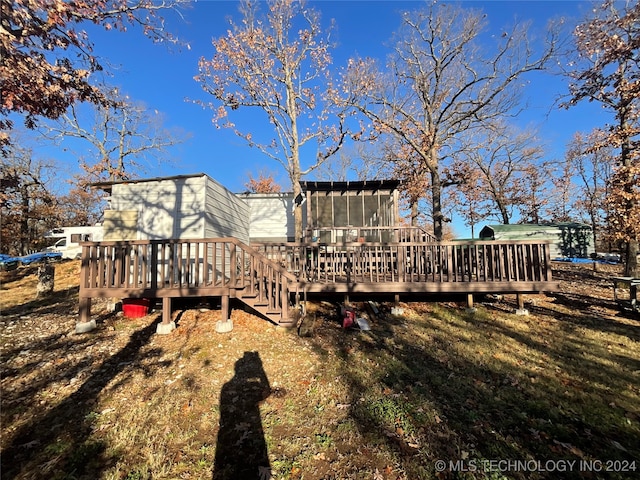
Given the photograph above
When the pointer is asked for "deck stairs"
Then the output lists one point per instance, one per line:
(284, 316)
(265, 286)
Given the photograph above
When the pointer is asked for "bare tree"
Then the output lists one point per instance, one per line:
(498, 160)
(46, 59)
(440, 82)
(593, 170)
(278, 65)
(357, 160)
(561, 206)
(605, 68)
(116, 139)
(28, 208)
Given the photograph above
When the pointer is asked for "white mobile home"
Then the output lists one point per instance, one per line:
(184, 206)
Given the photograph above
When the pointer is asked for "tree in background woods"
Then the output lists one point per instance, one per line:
(494, 170)
(607, 71)
(278, 63)
(473, 204)
(28, 208)
(263, 184)
(46, 59)
(561, 206)
(31, 205)
(441, 81)
(114, 143)
(81, 205)
(535, 197)
(592, 170)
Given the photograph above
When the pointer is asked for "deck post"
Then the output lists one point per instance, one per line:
(85, 324)
(520, 301)
(166, 326)
(397, 309)
(470, 308)
(224, 307)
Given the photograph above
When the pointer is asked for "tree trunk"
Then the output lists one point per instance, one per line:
(626, 159)
(504, 214)
(436, 199)
(46, 279)
(294, 162)
(24, 223)
(631, 266)
(414, 212)
(297, 211)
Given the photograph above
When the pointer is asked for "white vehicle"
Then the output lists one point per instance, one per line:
(69, 239)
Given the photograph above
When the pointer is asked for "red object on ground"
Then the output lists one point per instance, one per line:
(135, 307)
(349, 317)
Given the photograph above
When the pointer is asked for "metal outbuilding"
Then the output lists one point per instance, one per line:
(566, 239)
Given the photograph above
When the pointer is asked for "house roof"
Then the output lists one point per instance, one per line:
(311, 186)
(107, 185)
(350, 186)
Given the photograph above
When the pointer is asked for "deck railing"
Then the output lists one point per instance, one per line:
(173, 268)
(341, 235)
(404, 262)
(267, 276)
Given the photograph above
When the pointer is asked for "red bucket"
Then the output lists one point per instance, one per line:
(135, 307)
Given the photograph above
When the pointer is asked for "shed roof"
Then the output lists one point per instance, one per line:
(530, 228)
(141, 180)
(107, 186)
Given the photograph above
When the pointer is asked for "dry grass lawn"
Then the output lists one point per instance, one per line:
(491, 394)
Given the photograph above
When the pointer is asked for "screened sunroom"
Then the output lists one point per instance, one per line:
(341, 212)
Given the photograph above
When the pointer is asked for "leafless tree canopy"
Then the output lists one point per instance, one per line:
(278, 63)
(439, 82)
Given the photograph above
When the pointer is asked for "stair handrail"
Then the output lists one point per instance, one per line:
(283, 278)
(255, 253)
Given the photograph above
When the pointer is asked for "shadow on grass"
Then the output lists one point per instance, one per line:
(52, 303)
(469, 389)
(44, 446)
(241, 450)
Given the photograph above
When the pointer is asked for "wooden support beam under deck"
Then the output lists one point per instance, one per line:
(225, 307)
(85, 310)
(470, 300)
(166, 310)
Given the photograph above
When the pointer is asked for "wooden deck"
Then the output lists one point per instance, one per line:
(271, 278)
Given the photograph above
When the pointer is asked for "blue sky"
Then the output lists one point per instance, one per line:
(162, 77)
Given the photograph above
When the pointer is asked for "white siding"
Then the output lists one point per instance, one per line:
(163, 204)
(226, 215)
(271, 217)
(183, 207)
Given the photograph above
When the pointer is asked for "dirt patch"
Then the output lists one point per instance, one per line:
(436, 383)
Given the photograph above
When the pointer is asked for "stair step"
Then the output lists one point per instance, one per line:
(288, 323)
